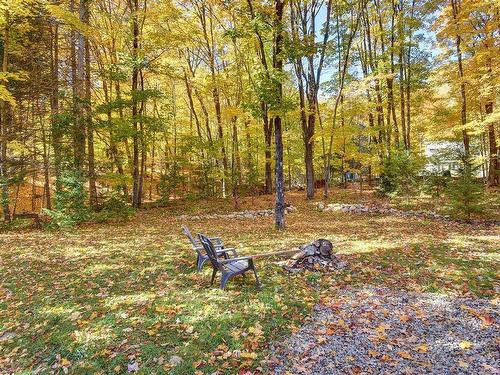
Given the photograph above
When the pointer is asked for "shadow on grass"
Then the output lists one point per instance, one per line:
(102, 296)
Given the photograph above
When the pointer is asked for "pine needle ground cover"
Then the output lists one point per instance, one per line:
(126, 298)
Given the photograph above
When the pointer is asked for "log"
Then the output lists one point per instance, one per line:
(310, 250)
(314, 256)
(282, 253)
(325, 248)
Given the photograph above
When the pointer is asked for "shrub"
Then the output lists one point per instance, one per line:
(170, 182)
(436, 182)
(400, 176)
(70, 208)
(466, 193)
(114, 208)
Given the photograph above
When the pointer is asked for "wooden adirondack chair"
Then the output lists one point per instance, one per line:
(201, 258)
(228, 267)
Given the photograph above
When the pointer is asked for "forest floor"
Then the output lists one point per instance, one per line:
(125, 297)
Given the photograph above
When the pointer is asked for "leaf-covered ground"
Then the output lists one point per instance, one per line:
(113, 298)
(382, 331)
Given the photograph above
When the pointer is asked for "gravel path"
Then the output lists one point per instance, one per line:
(379, 331)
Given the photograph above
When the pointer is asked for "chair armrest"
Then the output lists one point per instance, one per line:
(227, 249)
(217, 248)
(217, 240)
(250, 259)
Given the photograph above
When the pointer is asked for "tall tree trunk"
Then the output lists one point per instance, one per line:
(152, 170)
(299, 72)
(79, 95)
(220, 134)
(4, 174)
(385, 132)
(205, 115)
(113, 147)
(235, 164)
(88, 110)
(266, 122)
(192, 108)
(142, 140)
(380, 117)
(408, 77)
(309, 160)
(46, 165)
(402, 98)
(455, 5)
(494, 169)
(249, 157)
(136, 196)
(210, 46)
(342, 74)
(268, 137)
(278, 132)
(303, 24)
(391, 110)
(56, 130)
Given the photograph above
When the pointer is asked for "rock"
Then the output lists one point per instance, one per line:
(377, 209)
(341, 265)
(133, 367)
(7, 335)
(175, 360)
(293, 269)
(248, 214)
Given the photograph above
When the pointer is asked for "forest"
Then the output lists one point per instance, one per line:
(148, 101)
(249, 187)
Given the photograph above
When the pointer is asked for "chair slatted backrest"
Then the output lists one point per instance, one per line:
(210, 250)
(188, 234)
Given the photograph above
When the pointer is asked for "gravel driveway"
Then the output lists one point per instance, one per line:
(379, 331)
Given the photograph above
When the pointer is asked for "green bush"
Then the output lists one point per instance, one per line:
(170, 182)
(114, 208)
(70, 208)
(401, 175)
(436, 182)
(466, 193)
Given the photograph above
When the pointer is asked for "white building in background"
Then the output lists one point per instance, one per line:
(444, 156)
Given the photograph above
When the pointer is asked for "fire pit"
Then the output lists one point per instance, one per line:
(315, 256)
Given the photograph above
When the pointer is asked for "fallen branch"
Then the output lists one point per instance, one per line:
(281, 253)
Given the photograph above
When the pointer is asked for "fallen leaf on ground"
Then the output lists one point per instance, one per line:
(422, 348)
(466, 344)
(405, 355)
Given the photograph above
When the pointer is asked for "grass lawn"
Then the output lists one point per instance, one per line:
(101, 297)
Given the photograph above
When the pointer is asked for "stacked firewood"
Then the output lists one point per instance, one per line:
(315, 256)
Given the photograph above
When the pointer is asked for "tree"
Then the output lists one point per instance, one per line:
(303, 20)
(278, 130)
(5, 101)
(466, 193)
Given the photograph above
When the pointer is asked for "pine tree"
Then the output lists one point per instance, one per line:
(466, 193)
